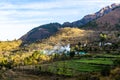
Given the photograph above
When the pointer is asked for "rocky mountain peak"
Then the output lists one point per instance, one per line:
(106, 10)
(115, 5)
(94, 16)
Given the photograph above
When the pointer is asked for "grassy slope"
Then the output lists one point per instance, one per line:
(63, 36)
(72, 36)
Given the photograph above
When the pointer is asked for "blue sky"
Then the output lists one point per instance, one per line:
(17, 17)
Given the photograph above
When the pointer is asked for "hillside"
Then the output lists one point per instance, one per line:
(41, 32)
(71, 36)
(108, 22)
(64, 36)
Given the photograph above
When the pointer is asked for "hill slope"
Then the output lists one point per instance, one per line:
(71, 36)
(41, 32)
(108, 22)
(64, 36)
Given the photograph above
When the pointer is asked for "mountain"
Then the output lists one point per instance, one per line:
(104, 19)
(91, 17)
(108, 22)
(41, 32)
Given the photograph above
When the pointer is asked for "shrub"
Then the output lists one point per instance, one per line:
(115, 74)
(72, 54)
(116, 62)
(105, 71)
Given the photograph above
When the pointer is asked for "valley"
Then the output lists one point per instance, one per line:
(87, 49)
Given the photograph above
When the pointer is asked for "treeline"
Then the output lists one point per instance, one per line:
(9, 45)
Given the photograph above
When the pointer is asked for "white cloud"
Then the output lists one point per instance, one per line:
(54, 4)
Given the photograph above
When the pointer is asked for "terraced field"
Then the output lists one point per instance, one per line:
(71, 67)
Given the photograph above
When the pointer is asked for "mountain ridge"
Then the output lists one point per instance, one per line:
(45, 31)
(91, 17)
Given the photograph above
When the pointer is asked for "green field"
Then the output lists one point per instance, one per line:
(107, 55)
(104, 61)
(69, 67)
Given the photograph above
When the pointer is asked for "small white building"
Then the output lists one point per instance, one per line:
(108, 43)
(59, 49)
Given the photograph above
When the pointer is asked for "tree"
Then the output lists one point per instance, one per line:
(103, 37)
(79, 44)
(72, 54)
(116, 62)
(36, 54)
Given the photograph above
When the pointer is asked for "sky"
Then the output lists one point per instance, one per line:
(17, 17)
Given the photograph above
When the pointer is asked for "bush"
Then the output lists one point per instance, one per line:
(116, 62)
(115, 74)
(6, 64)
(72, 54)
(105, 71)
(94, 78)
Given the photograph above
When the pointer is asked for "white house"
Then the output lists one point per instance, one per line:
(58, 49)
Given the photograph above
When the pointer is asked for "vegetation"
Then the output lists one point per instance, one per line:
(9, 45)
(90, 24)
(84, 68)
(63, 36)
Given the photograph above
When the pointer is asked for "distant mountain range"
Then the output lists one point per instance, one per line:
(91, 17)
(108, 18)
